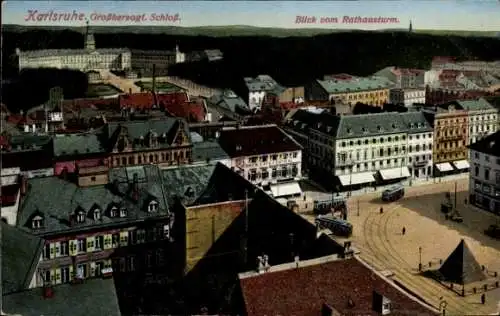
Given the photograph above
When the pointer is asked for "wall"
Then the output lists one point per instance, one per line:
(10, 212)
(484, 193)
(444, 149)
(290, 94)
(423, 139)
(59, 167)
(205, 224)
(48, 172)
(90, 180)
(255, 99)
(482, 123)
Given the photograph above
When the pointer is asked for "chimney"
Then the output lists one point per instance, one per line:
(71, 219)
(135, 187)
(24, 184)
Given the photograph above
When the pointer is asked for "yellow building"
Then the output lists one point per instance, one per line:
(351, 90)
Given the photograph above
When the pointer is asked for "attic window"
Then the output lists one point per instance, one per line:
(349, 130)
(379, 128)
(238, 147)
(113, 212)
(37, 222)
(80, 217)
(123, 212)
(363, 129)
(152, 206)
(394, 126)
(97, 214)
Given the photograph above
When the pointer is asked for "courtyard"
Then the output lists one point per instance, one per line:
(380, 241)
(162, 87)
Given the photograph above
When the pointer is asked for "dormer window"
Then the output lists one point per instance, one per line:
(123, 212)
(97, 214)
(37, 222)
(152, 206)
(379, 128)
(238, 147)
(349, 130)
(80, 217)
(363, 129)
(394, 126)
(113, 212)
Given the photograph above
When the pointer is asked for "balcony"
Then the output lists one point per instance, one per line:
(451, 137)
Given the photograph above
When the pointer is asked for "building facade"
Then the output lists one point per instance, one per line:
(357, 150)
(451, 135)
(420, 142)
(351, 90)
(84, 60)
(484, 176)
(483, 118)
(407, 97)
(88, 226)
(404, 78)
(142, 61)
(266, 156)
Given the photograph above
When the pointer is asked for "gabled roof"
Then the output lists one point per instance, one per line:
(303, 120)
(489, 145)
(304, 290)
(461, 267)
(73, 144)
(256, 140)
(93, 297)
(56, 212)
(20, 255)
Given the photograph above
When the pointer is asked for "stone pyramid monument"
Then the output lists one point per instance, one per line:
(461, 267)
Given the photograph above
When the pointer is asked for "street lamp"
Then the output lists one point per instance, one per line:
(350, 165)
(419, 258)
(358, 206)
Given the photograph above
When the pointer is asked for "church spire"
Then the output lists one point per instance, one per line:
(410, 28)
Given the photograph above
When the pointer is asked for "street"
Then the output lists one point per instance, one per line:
(379, 239)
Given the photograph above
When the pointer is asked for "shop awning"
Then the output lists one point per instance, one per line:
(285, 189)
(444, 167)
(356, 178)
(461, 164)
(394, 173)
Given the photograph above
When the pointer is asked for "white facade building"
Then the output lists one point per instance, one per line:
(357, 150)
(266, 156)
(483, 118)
(407, 97)
(420, 142)
(10, 179)
(484, 174)
(258, 88)
(84, 60)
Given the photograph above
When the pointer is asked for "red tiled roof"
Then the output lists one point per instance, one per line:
(101, 104)
(143, 100)
(18, 119)
(303, 291)
(169, 98)
(257, 140)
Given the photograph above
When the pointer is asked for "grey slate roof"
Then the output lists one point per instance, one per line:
(197, 185)
(55, 212)
(489, 145)
(416, 122)
(93, 297)
(208, 150)
(358, 84)
(263, 83)
(475, 105)
(70, 144)
(29, 142)
(229, 101)
(361, 125)
(20, 254)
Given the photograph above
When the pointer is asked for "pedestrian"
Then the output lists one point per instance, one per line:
(381, 210)
(403, 231)
(483, 298)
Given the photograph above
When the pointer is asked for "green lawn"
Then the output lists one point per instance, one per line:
(101, 90)
(160, 86)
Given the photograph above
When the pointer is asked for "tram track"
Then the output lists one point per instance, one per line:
(380, 251)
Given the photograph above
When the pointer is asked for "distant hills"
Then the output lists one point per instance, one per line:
(232, 30)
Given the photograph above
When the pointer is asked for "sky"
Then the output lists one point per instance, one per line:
(473, 15)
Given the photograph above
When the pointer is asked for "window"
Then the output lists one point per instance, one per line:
(81, 245)
(274, 157)
(93, 179)
(80, 217)
(123, 212)
(65, 276)
(153, 206)
(46, 251)
(115, 240)
(476, 171)
(37, 222)
(113, 212)
(141, 236)
(160, 257)
(98, 242)
(64, 250)
(131, 263)
(487, 174)
(97, 214)
(487, 158)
